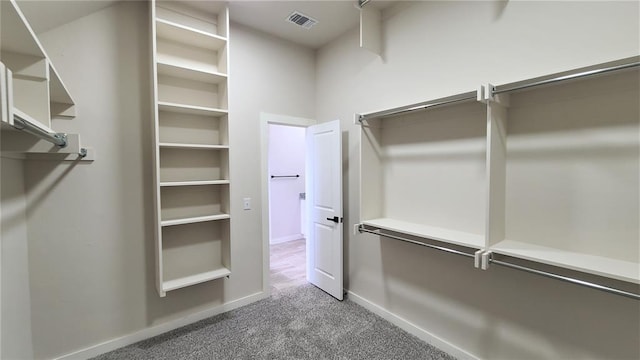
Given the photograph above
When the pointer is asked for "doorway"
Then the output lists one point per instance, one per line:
(283, 205)
(286, 164)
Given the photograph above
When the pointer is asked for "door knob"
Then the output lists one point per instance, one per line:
(335, 219)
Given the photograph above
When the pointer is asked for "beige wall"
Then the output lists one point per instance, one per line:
(435, 49)
(16, 298)
(90, 230)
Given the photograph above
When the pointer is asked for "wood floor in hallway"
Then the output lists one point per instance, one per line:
(288, 264)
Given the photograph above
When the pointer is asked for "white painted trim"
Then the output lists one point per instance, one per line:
(267, 119)
(152, 331)
(411, 328)
(287, 238)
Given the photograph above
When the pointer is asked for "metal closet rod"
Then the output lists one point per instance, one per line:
(421, 106)
(508, 88)
(566, 279)
(284, 176)
(59, 139)
(512, 266)
(431, 246)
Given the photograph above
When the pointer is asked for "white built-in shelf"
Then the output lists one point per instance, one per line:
(195, 279)
(194, 183)
(191, 128)
(429, 232)
(190, 73)
(189, 36)
(190, 109)
(16, 35)
(592, 264)
(193, 220)
(193, 146)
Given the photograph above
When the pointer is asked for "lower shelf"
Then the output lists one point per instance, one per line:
(429, 232)
(195, 219)
(598, 265)
(195, 279)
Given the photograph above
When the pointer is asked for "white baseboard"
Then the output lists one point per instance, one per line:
(286, 238)
(150, 332)
(412, 329)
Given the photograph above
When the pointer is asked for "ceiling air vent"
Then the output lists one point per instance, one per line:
(301, 20)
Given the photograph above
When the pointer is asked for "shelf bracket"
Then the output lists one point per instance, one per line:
(487, 95)
(477, 258)
(485, 260)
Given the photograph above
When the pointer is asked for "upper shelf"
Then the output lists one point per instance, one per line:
(16, 35)
(454, 99)
(190, 109)
(571, 75)
(593, 264)
(428, 232)
(177, 70)
(187, 35)
(22, 53)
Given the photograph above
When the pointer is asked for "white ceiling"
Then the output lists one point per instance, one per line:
(334, 16)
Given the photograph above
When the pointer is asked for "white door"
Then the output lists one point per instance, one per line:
(324, 207)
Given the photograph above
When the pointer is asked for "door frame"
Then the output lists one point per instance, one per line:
(267, 119)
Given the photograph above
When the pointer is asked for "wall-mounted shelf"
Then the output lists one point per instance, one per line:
(195, 183)
(190, 73)
(190, 109)
(168, 30)
(33, 94)
(195, 279)
(554, 182)
(193, 146)
(193, 220)
(191, 143)
(428, 232)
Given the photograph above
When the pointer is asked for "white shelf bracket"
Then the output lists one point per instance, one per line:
(485, 260)
(486, 95)
(477, 258)
(370, 28)
(482, 94)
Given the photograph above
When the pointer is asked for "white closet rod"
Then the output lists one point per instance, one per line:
(362, 229)
(520, 86)
(420, 106)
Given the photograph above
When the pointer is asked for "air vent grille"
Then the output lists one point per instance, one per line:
(301, 20)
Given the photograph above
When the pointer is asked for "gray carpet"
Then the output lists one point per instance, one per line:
(296, 323)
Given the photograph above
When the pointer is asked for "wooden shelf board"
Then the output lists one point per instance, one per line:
(176, 70)
(187, 35)
(193, 220)
(194, 183)
(429, 232)
(195, 279)
(190, 109)
(592, 264)
(193, 146)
